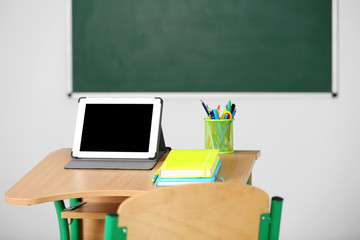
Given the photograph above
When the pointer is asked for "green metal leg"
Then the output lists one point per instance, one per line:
(74, 226)
(63, 223)
(112, 231)
(264, 226)
(249, 181)
(275, 215)
(111, 222)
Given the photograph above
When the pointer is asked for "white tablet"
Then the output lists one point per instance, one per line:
(117, 128)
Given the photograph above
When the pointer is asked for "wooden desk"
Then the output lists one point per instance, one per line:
(49, 181)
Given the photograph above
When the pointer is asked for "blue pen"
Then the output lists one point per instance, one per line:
(233, 113)
(212, 115)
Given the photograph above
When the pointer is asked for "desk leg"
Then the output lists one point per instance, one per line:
(63, 222)
(74, 226)
(249, 182)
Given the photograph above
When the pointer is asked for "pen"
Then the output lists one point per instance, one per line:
(204, 107)
(216, 114)
(233, 113)
(156, 176)
(232, 107)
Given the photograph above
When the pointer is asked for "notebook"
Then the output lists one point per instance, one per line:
(165, 182)
(189, 163)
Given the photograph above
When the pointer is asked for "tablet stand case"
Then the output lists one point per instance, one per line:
(120, 163)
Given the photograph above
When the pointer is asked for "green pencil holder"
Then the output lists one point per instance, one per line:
(219, 134)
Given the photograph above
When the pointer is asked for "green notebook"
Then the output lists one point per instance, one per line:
(189, 163)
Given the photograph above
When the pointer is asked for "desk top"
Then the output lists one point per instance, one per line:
(49, 181)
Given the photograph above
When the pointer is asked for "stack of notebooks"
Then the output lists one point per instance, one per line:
(189, 166)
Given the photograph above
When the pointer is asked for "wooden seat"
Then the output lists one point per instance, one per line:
(197, 211)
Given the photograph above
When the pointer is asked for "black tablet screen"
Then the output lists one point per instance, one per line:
(116, 128)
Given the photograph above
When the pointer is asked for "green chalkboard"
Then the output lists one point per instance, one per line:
(202, 45)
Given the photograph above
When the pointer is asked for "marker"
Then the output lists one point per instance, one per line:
(212, 115)
(204, 107)
(232, 107)
(228, 106)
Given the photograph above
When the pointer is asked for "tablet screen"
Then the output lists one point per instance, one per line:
(117, 128)
(113, 128)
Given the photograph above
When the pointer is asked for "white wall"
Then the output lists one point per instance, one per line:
(309, 142)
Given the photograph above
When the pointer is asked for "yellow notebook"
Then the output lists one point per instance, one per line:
(189, 163)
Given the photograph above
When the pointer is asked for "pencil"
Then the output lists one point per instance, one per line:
(204, 107)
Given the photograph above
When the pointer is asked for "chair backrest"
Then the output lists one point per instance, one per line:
(195, 211)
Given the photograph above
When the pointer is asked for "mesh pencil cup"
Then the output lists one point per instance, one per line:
(219, 134)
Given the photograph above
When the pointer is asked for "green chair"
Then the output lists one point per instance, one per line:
(197, 211)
